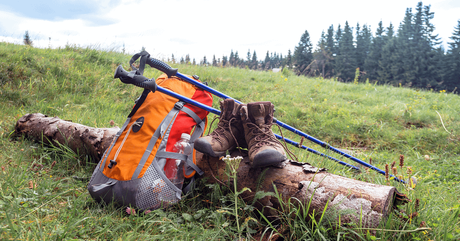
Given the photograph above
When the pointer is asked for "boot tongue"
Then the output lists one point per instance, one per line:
(228, 106)
(258, 113)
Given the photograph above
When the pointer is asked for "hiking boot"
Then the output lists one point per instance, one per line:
(264, 148)
(229, 132)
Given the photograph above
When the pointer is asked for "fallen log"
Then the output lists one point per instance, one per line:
(359, 202)
(83, 140)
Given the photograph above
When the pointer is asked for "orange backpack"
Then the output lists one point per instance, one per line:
(136, 168)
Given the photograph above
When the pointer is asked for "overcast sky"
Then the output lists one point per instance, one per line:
(202, 27)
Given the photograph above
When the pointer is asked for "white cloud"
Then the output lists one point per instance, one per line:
(204, 27)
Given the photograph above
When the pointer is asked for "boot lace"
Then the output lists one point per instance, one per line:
(263, 136)
(222, 127)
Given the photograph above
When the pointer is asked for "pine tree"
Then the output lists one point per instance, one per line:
(187, 59)
(371, 63)
(224, 61)
(214, 61)
(337, 37)
(363, 42)
(322, 56)
(248, 59)
(330, 44)
(303, 54)
(254, 64)
(266, 64)
(453, 60)
(289, 59)
(231, 59)
(345, 62)
(389, 64)
(204, 61)
(27, 40)
(236, 61)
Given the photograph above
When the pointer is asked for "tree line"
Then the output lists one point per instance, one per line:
(410, 56)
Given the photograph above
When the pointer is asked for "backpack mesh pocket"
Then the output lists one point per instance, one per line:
(153, 192)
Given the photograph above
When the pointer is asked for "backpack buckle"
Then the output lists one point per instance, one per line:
(179, 105)
(111, 164)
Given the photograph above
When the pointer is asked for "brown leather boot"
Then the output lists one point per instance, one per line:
(264, 149)
(229, 132)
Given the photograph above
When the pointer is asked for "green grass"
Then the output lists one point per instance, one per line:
(40, 200)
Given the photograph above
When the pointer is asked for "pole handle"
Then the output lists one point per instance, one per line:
(161, 66)
(135, 79)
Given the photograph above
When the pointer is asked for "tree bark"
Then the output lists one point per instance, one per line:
(82, 139)
(362, 203)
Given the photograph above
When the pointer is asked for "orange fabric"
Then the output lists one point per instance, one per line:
(185, 125)
(154, 109)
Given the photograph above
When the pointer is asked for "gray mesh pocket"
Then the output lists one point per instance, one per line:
(153, 192)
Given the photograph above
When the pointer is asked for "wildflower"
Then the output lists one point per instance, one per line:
(409, 170)
(285, 79)
(395, 170)
(393, 164)
(427, 157)
(386, 172)
(401, 160)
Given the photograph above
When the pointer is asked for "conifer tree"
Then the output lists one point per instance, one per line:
(345, 62)
(453, 60)
(289, 59)
(27, 40)
(214, 61)
(330, 45)
(363, 42)
(204, 61)
(236, 61)
(267, 61)
(303, 54)
(254, 63)
(322, 56)
(337, 37)
(187, 59)
(231, 59)
(371, 63)
(248, 59)
(224, 61)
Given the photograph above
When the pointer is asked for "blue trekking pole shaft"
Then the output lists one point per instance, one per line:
(173, 72)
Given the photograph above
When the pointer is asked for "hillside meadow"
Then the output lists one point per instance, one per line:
(43, 193)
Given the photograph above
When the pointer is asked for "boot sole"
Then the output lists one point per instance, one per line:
(205, 147)
(268, 158)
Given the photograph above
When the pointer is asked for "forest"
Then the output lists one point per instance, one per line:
(410, 56)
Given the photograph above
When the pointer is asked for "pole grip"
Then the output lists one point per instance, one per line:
(135, 79)
(161, 66)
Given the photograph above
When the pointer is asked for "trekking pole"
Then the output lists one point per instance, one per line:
(168, 70)
(143, 82)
